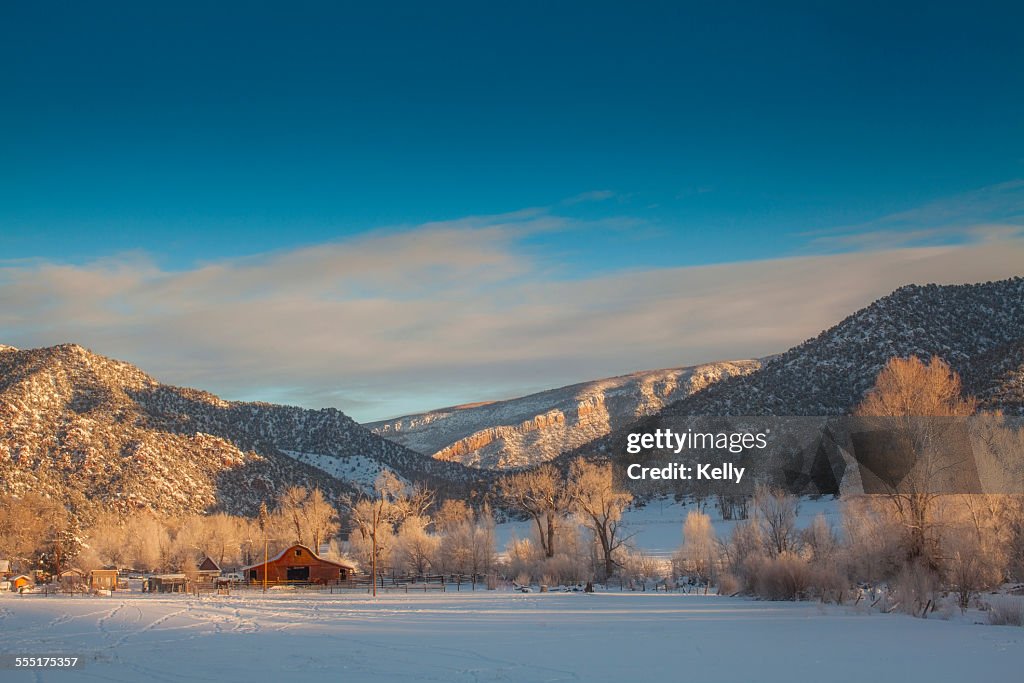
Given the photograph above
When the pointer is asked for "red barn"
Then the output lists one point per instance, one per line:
(298, 563)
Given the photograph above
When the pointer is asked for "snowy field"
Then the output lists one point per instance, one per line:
(494, 636)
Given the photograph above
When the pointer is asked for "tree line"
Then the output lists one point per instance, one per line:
(393, 527)
(916, 542)
(910, 545)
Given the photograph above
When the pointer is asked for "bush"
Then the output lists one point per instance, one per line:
(914, 589)
(560, 569)
(783, 577)
(728, 584)
(828, 583)
(1007, 612)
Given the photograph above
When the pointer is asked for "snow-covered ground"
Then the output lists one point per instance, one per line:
(503, 636)
(493, 636)
(356, 469)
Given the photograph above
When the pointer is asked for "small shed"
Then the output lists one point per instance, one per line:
(298, 564)
(5, 568)
(208, 569)
(21, 581)
(167, 583)
(103, 579)
(70, 579)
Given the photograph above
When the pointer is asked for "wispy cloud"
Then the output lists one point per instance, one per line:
(454, 311)
(592, 196)
(995, 211)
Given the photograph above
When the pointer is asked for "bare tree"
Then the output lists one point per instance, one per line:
(375, 515)
(453, 512)
(697, 556)
(320, 518)
(907, 390)
(821, 541)
(908, 387)
(776, 512)
(541, 494)
(415, 502)
(594, 497)
(22, 527)
(289, 506)
(416, 547)
(466, 541)
(220, 537)
(483, 555)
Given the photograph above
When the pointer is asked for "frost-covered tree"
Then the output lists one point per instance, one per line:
(698, 555)
(599, 504)
(907, 390)
(374, 517)
(775, 513)
(542, 495)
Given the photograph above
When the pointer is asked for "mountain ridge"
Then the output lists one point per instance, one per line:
(101, 432)
(976, 328)
(535, 428)
(834, 369)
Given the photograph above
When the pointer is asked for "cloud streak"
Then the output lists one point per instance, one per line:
(396, 321)
(950, 220)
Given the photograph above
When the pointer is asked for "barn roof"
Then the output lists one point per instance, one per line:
(208, 565)
(275, 558)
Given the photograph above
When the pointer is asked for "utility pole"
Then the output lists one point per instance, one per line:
(263, 527)
(377, 513)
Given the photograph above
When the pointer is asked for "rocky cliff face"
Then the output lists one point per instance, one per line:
(539, 427)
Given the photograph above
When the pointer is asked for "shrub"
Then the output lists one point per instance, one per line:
(1007, 612)
(914, 589)
(728, 584)
(784, 577)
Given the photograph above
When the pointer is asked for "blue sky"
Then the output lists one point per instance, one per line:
(571, 142)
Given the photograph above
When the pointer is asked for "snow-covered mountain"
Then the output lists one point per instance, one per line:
(829, 374)
(978, 329)
(96, 431)
(539, 427)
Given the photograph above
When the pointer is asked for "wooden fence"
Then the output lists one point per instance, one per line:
(385, 582)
